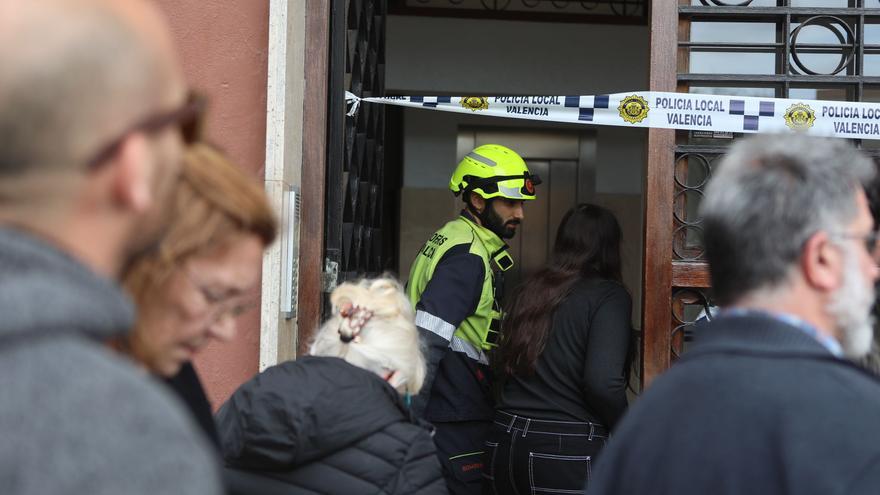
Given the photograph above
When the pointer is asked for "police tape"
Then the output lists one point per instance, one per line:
(696, 112)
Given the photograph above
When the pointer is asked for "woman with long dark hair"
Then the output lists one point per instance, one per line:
(563, 360)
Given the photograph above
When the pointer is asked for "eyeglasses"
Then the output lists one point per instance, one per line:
(870, 239)
(188, 118)
(221, 305)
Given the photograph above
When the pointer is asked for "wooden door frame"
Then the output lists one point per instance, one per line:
(657, 273)
(324, 156)
(314, 170)
(657, 270)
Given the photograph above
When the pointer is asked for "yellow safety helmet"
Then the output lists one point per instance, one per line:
(492, 170)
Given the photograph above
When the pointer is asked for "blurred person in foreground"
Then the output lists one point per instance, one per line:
(871, 361)
(766, 402)
(562, 362)
(338, 421)
(204, 273)
(93, 121)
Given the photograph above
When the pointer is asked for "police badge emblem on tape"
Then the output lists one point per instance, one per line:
(799, 117)
(633, 109)
(474, 103)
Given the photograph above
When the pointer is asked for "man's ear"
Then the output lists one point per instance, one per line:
(822, 263)
(133, 174)
(477, 202)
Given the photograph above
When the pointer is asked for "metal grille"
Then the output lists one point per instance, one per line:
(800, 49)
(588, 11)
(356, 208)
(688, 306)
(788, 47)
(693, 168)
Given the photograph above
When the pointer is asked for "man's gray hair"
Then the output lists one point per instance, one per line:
(769, 194)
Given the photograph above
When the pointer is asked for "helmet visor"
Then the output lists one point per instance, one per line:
(508, 186)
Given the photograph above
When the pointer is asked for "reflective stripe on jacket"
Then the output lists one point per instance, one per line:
(452, 286)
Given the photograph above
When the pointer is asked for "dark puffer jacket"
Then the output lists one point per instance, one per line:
(325, 426)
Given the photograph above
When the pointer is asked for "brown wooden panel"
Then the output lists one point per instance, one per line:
(657, 273)
(690, 274)
(313, 171)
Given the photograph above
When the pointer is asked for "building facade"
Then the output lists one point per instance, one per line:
(357, 195)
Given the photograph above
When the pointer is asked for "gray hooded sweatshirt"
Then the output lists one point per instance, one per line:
(74, 417)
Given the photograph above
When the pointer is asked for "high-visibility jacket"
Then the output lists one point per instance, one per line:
(453, 284)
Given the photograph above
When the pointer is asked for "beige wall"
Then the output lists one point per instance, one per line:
(223, 46)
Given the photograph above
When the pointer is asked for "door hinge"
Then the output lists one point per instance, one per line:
(330, 276)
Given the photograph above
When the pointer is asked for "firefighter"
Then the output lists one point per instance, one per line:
(455, 285)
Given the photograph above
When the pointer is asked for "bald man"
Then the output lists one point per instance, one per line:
(94, 116)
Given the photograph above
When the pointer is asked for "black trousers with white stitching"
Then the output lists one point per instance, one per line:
(524, 456)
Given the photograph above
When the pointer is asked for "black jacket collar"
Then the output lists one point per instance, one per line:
(755, 334)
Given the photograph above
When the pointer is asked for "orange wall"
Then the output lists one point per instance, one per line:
(223, 46)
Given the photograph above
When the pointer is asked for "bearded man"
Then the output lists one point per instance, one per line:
(455, 287)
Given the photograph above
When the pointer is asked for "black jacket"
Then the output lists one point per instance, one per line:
(757, 406)
(187, 385)
(580, 373)
(325, 426)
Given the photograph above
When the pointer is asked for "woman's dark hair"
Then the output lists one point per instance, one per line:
(587, 245)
